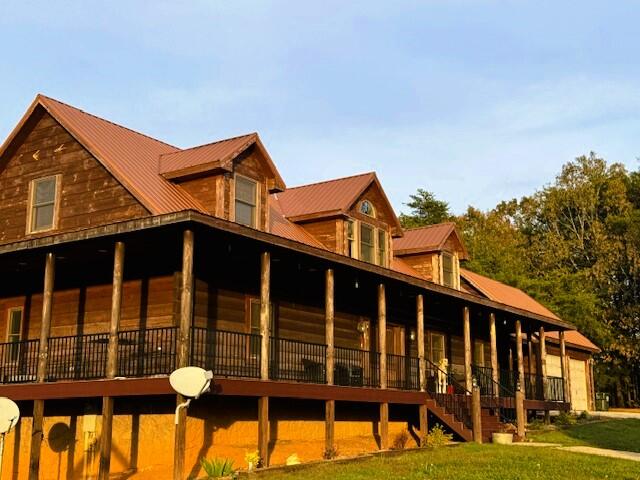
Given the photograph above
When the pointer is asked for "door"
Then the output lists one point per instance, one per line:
(396, 372)
(578, 384)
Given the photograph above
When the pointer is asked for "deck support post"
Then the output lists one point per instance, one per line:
(422, 366)
(383, 429)
(520, 414)
(265, 288)
(41, 373)
(329, 428)
(476, 414)
(495, 374)
(564, 369)
(329, 324)
(382, 335)
(530, 354)
(468, 384)
(423, 413)
(112, 360)
(186, 317)
(263, 430)
(519, 354)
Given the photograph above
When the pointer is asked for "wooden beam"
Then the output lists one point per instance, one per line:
(382, 334)
(542, 347)
(520, 413)
(468, 383)
(423, 413)
(530, 350)
(329, 321)
(265, 288)
(263, 430)
(495, 372)
(422, 364)
(519, 354)
(180, 440)
(41, 372)
(476, 415)
(329, 427)
(112, 361)
(383, 428)
(564, 369)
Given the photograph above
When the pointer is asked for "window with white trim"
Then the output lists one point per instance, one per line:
(447, 270)
(367, 243)
(478, 353)
(43, 195)
(351, 239)
(246, 201)
(14, 332)
(382, 248)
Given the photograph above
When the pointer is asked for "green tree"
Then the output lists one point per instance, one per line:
(425, 210)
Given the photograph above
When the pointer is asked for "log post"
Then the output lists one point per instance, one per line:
(422, 365)
(265, 288)
(186, 317)
(384, 426)
(519, 354)
(542, 347)
(382, 335)
(423, 413)
(329, 428)
(520, 414)
(476, 414)
(329, 323)
(263, 430)
(112, 360)
(564, 369)
(530, 354)
(468, 384)
(41, 372)
(495, 373)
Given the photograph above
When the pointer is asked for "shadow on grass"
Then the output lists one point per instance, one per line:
(621, 434)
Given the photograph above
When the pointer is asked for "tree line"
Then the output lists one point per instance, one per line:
(574, 246)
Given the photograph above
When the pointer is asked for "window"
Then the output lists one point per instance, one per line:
(367, 243)
(367, 208)
(447, 270)
(478, 353)
(14, 332)
(42, 204)
(382, 248)
(351, 239)
(437, 348)
(254, 325)
(246, 201)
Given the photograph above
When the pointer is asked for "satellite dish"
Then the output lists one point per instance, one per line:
(191, 381)
(9, 414)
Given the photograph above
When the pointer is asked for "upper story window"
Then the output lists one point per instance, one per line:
(382, 248)
(367, 208)
(14, 332)
(351, 239)
(447, 270)
(43, 202)
(478, 353)
(367, 243)
(246, 201)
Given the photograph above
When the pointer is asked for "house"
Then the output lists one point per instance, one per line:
(326, 326)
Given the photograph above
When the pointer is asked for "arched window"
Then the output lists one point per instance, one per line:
(367, 208)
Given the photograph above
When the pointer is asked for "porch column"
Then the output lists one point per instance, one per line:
(543, 362)
(329, 427)
(112, 359)
(329, 319)
(495, 374)
(263, 430)
(265, 280)
(41, 372)
(420, 331)
(186, 317)
(382, 334)
(519, 354)
(530, 350)
(468, 384)
(564, 369)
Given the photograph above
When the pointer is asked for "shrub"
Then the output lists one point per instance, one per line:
(216, 468)
(400, 441)
(436, 437)
(565, 419)
(331, 452)
(584, 416)
(535, 424)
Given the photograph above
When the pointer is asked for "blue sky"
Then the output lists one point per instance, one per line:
(477, 101)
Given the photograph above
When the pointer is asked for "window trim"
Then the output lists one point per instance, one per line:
(444, 345)
(479, 344)
(373, 209)
(453, 269)
(9, 312)
(374, 251)
(256, 215)
(30, 204)
(382, 251)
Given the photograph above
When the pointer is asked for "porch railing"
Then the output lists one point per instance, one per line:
(356, 368)
(147, 352)
(555, 389)
(484, 377)
(227, 354)
(403, 372)
(495, 395)
(77, 357)
(449, 394)
(19, 361)
(533, 387)
(297, 361)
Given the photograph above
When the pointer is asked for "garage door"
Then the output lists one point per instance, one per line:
(578, 378)
(553, 366)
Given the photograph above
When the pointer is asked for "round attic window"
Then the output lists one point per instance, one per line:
(367, 208)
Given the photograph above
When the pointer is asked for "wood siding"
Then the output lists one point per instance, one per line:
(89, 194)
(327, 233)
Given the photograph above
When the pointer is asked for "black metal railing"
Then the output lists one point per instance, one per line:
(356, 368)
(152, 351)
(297, 361)
(403, 372)
(533, 387)
(449, 394)
(77, 357)
(495, 395)
(509, 379)
(555, 389)
(227, 354)
(19, 361)
(484, 379)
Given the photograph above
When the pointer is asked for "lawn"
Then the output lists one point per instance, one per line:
(471, 462)
(623, 434)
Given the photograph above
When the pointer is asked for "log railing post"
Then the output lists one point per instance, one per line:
(495, 373)
(422, 364)
(265, 289)
(329, 323)
(37, 433)
(112, 360)
(468, 383)
(382, 334)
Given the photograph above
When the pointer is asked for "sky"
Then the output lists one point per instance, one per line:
(476, 101)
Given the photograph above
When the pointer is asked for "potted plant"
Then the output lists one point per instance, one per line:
(503, 436)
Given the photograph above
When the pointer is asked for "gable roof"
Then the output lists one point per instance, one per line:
(430, 238)
(131, 157)
(573, 338)
(329, 198)
(215, 155)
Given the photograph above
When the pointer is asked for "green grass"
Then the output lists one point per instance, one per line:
(621, 434)
(471, 462)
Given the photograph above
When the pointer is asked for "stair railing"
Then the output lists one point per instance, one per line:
(496, 396)
(449, 394)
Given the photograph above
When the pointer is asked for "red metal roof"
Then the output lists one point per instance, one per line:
(401, 266)
(574, 338)
(282, 227)
(430, 238)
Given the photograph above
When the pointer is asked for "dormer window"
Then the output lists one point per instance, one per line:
(447, 270)
(367, 243)
(43, 204)
(246, 205)
(367, 208)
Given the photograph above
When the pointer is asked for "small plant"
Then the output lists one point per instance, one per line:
(400, 441)
(252, 459)
(217, 467)
(293, 459)
(535, 424)
(436, 437)
(584, 416)
(564, 419)
(331, 452)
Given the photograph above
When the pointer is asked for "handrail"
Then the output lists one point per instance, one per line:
(498, 397)
(449, 393)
